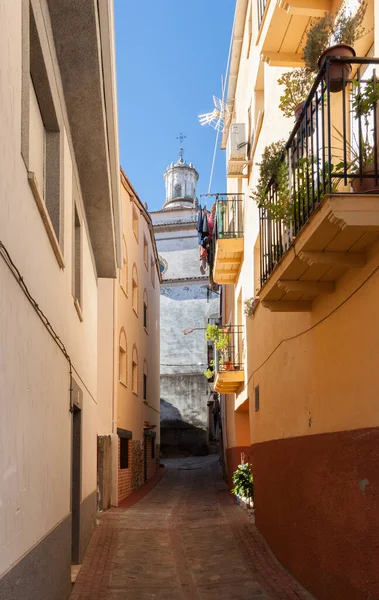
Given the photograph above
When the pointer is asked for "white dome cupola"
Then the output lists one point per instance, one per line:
(180, 180)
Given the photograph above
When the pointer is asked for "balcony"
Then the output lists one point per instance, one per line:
(228, 238)
(229, 370)
(321, 212)
(282, 25)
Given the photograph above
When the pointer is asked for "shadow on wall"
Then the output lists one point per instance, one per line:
(179, 438)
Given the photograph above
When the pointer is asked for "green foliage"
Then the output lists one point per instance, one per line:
(273, 171)
(365, 97)
(243, 481)
(346, 28)
(318, 40)
(297, 85)
(216, 335)
(249, 306)
(209, 373)
(362, 153)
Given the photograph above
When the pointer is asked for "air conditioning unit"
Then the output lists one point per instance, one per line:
(236, 151)
(236, 147)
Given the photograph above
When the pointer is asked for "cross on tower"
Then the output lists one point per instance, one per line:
(181, 137)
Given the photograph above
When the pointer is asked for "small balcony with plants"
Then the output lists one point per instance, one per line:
(318, 193)
(226, 369)
(228, 239)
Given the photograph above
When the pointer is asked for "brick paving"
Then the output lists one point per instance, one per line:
(185, 540)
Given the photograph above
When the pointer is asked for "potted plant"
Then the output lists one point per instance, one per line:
(362, 152)
(273, 171)
(334, 37)
(243, 483)
(221, 340)
(297, 85)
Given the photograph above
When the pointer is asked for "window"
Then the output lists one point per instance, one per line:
(135, 371)
(145, 381)
(135, 222)
(153, 448)
(177, 190)
(152, 272)
(124, 453)
(122, 370)
(162, 265)
(256, 398)
(77, 260)
(135, 289)
(145, 311)
(145, 253)
(41, 140)
(124, 269)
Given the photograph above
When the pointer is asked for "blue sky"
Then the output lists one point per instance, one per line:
(170, 57)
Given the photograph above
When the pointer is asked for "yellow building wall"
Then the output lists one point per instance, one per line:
(132, 410)
(314, 441)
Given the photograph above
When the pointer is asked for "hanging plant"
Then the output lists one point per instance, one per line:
(273, 171)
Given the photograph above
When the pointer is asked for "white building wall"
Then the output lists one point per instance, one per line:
(35, 423)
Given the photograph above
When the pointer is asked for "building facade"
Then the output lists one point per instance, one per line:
(299, 299)
(128, 369)
(186, 302)
(60, 224)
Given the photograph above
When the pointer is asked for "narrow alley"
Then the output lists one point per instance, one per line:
(186, 539)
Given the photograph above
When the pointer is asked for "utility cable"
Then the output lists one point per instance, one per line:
(293, 337)
(223, 88)
(43, 318)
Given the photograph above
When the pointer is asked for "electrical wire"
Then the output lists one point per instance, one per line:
(223, 88)
(293, 337)
(43, 318)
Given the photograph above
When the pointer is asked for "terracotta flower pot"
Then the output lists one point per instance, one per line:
(336, 70)
(228, 364)
(368, 184)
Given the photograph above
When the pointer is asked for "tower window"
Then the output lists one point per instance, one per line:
(177, 190)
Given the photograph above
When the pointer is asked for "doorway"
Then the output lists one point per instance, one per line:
(76, 484)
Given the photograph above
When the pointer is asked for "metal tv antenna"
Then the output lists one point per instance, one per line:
(217, 117)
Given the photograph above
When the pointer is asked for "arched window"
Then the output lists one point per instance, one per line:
(135, 289)
(124, 269)
(145, 380)
(145, 311)
(135, 223)
(135, 370)
(123, 358)
(177, 190)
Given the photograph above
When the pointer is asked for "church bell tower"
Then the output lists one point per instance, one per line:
(180, 180)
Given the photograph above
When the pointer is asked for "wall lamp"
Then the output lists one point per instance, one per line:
(192, 329)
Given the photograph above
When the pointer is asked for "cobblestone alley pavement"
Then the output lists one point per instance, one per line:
(186, 539)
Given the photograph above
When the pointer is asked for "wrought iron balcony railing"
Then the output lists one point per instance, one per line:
(229, 216)
(261, 7)
(332, 149)
(230, 358)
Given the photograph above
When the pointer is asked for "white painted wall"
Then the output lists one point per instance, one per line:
(35, 424)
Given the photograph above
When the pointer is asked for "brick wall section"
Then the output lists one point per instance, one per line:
(125, 475)
(132, 478)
